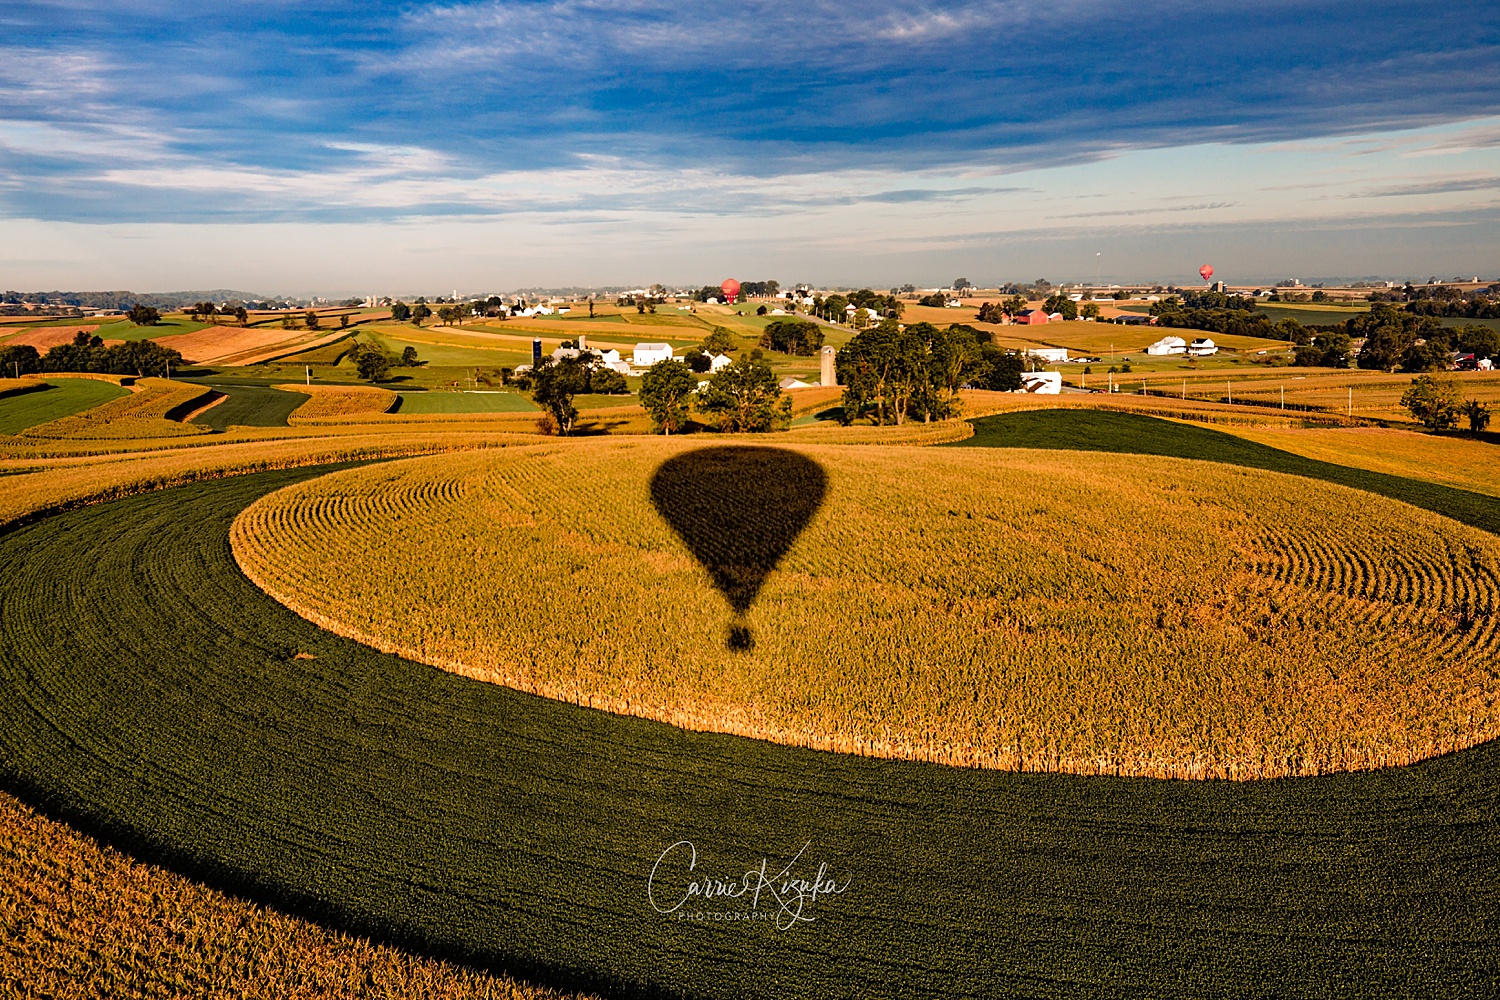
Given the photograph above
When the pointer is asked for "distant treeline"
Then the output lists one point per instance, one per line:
(126, 299)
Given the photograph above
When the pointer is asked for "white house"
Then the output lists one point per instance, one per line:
(1168, 345)
(647, 355)
(1042, 383)
(1202, 348)
(717, 362)
(1051, 355)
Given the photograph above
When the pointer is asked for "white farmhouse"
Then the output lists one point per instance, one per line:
(1168, 345)
(647, 355)
(717, 362)
(1202, 348)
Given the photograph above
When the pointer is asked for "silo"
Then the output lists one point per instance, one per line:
(825, 357)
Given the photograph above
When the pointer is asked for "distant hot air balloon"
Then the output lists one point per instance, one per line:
(731, 290)
(1206, 271)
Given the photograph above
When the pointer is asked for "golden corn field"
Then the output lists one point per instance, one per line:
(142, 414)
(78, 919)
(1002, 608)
(340, 401)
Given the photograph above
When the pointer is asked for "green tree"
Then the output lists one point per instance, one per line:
(419, 312)
(792, 336)
(745, 397)
(311, 318)
(242, 314)
(1089, 310)
(667, 388)
(554, 383)
(18, 360)
(143, 315)
(607, 382)
(720, 341)
(697, 360)
(409, 358)
(1014, 306)
(400, 312)
(1434, 402)
(1478, 415)
(372, 364)
(1060, 303)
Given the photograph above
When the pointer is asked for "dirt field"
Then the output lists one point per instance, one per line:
(44, 338)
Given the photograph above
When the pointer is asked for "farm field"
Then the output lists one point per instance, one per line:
(1054, 662)
(251, 406)
(346, 786)
(154, 409)
(465, 402)
(63, 398)
(340, 401)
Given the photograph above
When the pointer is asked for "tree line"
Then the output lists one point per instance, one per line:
(89, 354)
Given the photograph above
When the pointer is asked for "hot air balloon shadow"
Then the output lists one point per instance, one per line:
(738, 509)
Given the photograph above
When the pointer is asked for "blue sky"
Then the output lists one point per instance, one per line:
(338, 147)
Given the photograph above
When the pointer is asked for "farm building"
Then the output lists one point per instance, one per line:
(1202, 348)
(647, 355)
(716, 362)
(1042, 383)
(1051, 355)
(793, 383)
(1168, 345)
(1031, 317)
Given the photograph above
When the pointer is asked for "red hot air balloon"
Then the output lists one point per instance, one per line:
(731, 290)
(1206, 272)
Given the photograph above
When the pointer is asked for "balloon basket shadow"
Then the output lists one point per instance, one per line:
(741, 639)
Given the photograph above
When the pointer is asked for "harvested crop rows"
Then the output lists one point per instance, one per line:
(1022, 611)
(153, 694)
(146, 413)
(340, 402)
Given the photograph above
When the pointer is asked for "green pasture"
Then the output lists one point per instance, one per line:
(168, 327)
(63, 397)
(249, 406)
(154, 698)
(464, 402)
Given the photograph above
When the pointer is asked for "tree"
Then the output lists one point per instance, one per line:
(554, 383)
(961, 284)
(720, 341)
(400, 312)
(792, 336)
(372, 363)
(1060, 303)
(745, 397)
(1014, 306)
(409, 358)
(1089, 310)
(420, 312)
(242, 314)
(1478, 415)
(607, 382)
(21, 359)
(343, 321)
(697, 360)
(666, 390)
(143, 315)
(1435, 403)
(311, 318)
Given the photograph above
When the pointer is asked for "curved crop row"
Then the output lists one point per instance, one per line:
(339, 401)
(1022, 611)
(147, 412)
(151, 693)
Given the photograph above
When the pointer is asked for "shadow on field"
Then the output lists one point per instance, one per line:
(1134, 434)
(739, 509)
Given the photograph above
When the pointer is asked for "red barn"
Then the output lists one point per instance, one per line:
(1031, 317)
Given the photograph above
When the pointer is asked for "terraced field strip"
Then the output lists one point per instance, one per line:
(154, 697)
(63, 397)
(251, 406)
(154, 410)
(339, 402)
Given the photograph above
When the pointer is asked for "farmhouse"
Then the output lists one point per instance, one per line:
(1031, 317)
(1168, 345)
(1202, 347)
(716, 362)
(647, 355)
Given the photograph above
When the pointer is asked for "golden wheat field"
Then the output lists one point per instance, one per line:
(339, 401)
(1017, 609)
(142, 414)
(81, 920)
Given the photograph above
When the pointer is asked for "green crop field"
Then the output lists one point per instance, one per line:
(250, 406)
(66, 397)
(465, 402)
(232, 740)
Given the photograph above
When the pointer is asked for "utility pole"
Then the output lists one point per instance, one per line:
(308, 370)
(1184, 390)
(1283, 397)
(1351, 401)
